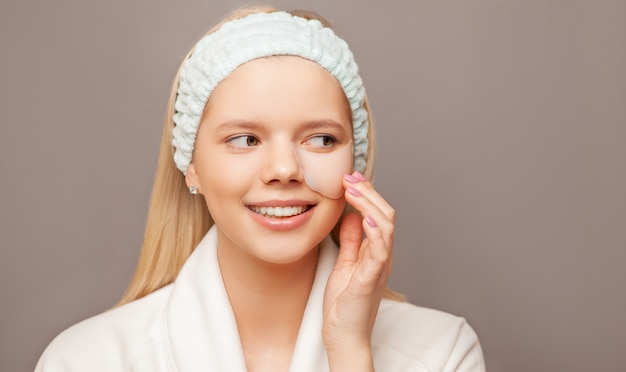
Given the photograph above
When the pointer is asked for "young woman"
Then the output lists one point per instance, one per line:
(252, 259)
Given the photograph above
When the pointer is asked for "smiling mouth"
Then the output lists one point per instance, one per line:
(279, 212)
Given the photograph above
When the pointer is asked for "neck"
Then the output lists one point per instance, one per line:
(251, 282)
(268, 299)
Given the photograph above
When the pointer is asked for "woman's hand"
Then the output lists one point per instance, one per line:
(359, 278)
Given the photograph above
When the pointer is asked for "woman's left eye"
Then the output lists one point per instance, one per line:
(321, 141)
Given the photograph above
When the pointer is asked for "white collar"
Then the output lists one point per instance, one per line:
(201, 325)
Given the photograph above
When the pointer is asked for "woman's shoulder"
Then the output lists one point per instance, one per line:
(110, 340)
(424, 339)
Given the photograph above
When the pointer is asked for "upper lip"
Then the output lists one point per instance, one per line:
(281, 203)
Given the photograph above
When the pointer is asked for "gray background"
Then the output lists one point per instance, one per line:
(501, 127)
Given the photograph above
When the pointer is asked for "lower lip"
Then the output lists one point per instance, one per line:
(282, 223)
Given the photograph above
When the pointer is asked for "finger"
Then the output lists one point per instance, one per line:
(374, 217)
(350, 238)
(373, 265)
(378, 221)
(379, 247)
(367, 189)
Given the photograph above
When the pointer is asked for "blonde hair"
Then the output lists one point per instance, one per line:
(177, 220)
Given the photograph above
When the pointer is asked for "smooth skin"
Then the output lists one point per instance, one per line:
(243, 160)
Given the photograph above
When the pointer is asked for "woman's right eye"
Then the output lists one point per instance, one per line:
(245, 140)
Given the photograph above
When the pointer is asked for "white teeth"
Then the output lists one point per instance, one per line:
(279, 211)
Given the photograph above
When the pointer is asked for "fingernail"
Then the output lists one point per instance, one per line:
(354, 191)
(359, 176)
(350, 178)
(370, 221)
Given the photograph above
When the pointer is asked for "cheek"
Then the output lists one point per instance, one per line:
(323, 172)
(224, 178)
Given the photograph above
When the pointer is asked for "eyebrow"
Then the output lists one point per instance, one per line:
(237, 124)
(325, 123)
(251, 125)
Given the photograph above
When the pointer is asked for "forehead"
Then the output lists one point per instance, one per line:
(277, 88)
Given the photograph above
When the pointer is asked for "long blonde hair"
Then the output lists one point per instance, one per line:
(177, 220)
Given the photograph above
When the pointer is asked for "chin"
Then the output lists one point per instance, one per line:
(284, 251)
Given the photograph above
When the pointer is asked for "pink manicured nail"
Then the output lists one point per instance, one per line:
(354, 191)
(359, 176)
(370, 221)
(350, 178)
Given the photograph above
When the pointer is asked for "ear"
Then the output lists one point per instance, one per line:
(192, 179)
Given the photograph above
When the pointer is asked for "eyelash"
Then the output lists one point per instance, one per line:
(245, 137)
(324, 137)
(251, 141)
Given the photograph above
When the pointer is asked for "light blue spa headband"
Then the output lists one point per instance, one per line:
(259, 35)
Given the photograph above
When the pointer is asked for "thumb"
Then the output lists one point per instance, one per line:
(350, 238)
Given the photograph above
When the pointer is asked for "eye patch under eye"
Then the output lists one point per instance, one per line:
(323, 171)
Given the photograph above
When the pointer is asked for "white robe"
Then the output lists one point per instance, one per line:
(189, 326)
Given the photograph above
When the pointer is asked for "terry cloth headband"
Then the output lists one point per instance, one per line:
(255, 36)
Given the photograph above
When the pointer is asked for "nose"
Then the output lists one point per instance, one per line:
(281, 164)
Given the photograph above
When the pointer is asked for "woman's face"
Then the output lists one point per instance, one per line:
(273, 144)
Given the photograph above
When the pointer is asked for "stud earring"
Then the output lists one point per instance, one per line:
(193, 190)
